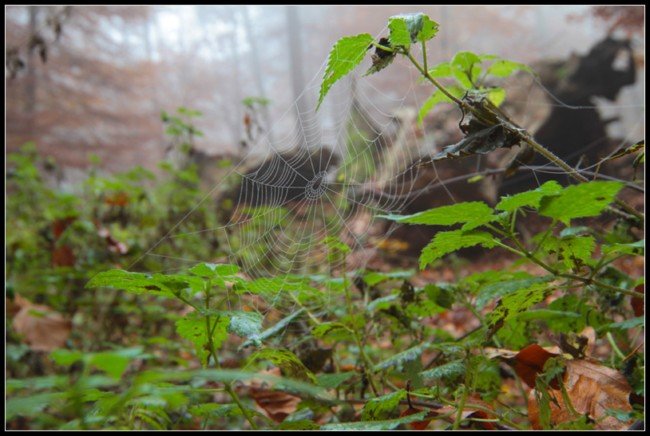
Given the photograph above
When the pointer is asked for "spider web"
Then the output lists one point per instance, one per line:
(287, 210)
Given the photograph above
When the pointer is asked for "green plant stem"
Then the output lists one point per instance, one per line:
(524, 136)
(461, 407)
(213, 353)
(617, 350)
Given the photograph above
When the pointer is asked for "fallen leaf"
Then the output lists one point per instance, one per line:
(638, 303)
(416, 425)
(470, 411)
(276, 404)
(592, 389)
(527, 363)
(40, 327)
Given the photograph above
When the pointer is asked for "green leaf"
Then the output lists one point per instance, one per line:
(438, 97)
(193, 328)
(347, 53)
(504, 68)
(245, 324)
(399, 32)
(496, 290)
(496, 96)
(389, 424)
(515, 303)
(447, 371)
(383, 407)
(399, 359)
(210, 270)
(276, 328)
(473, 213)
(332, 381)
(627, 324)
(448, 242)
(375, 277)
(572, 250)
(137, 283)
(580, 201)
(332, 331)
(285, 360)
(408, 28)
(529, 198)
(214, 410)
(114, 363)
(632, 248)
(465, 60)
(443, 69)
(31, 406)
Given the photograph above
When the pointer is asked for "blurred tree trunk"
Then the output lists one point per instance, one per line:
(31, 82)
(304, 110)
(257, 72)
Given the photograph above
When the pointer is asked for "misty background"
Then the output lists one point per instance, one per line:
(86, 81)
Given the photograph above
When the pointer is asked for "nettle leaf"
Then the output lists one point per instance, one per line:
(514, 303)
(400, 358)
(389, 424)
(347, 53)
(632, 248)
(587, 315)
(472, 213)
(114, 363)
(492, 291)
(375, 277)
(210, 270)
(496, 96)
(332, 331)
(628, 324)
(400, 36)
(256, 339)
(245, 324)
(443, 69)
(32, 405)
(286, 361)
(332, 381)
(571, 250)
(446, 371)
(448, 242)
(504, 68)
(136, 283)
(193, 328)
(383, 407)
(580, 201)
(529, 198)
(438, 97)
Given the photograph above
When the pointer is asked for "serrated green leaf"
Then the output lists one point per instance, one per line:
(347, 53)
(399, 359)
(447, 371)
(374, 277)
(389, 424)
(627, 324)
(633, 248)
(137, 283)
(496, 96)
(209, 270)
(529, 198)
(332, 331)
(448, 242)
(513, 304)
(332, 381)
(571, 249)
(276, 328)
(114, 363)
(285, 360)
(383, 407)
(32, 405)
(244, 324)
(429, 29)
(504, 68)
(443, 69)
(580, 201)
(436, 98)
(472, 213)
(492, 291)
(193, 328)
(399, 32)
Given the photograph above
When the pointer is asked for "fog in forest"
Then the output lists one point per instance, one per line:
(87, 81)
